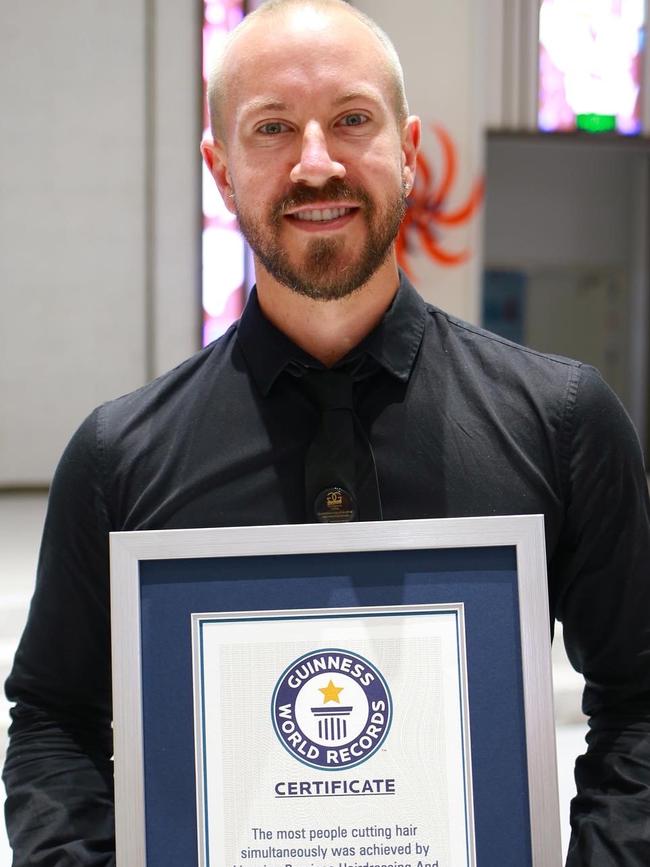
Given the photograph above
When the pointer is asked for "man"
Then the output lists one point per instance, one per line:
(315, 152)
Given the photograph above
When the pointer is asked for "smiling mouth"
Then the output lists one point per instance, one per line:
(321, 215)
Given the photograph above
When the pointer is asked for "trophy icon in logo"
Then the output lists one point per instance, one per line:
(332, 722)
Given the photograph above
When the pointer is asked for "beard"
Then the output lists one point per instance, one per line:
(326, 272)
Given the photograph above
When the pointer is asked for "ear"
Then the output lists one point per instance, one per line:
(214, 155)
(410, 147)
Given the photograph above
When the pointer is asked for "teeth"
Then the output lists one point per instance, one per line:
(321, 214)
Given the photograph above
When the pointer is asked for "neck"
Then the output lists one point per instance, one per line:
(327, 330)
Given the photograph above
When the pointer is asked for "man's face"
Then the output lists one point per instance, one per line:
(313, 161)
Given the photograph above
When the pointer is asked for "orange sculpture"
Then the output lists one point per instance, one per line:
(427, 211)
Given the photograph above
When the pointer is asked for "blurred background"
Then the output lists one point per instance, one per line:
(117, 259)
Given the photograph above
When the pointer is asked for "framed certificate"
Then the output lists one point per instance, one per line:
(341, 695)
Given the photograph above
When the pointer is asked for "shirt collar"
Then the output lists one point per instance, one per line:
(393, 344)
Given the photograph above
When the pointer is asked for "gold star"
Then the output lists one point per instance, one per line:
(331, 692)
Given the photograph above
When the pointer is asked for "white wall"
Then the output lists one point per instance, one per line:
(175, 206)
(554, 202)
(98, 196)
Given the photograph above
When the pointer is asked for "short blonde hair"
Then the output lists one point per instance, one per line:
(216, 85)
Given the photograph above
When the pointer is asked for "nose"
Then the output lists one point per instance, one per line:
(316, 165)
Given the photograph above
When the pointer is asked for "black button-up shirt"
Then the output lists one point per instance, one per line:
(461, 423)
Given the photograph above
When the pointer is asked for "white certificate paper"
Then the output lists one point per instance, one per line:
(333, 738)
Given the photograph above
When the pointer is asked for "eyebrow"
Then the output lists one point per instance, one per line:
(353, 95)
(262, 104)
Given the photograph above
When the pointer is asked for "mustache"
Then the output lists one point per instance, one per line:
(335, 188)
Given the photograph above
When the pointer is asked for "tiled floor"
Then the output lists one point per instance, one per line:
(21, 519)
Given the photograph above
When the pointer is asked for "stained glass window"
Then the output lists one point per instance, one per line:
(223, 281)
(590, 59)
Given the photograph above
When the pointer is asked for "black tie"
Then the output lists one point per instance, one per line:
(340, 475)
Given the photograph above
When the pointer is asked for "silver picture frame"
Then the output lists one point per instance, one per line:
(523, 534)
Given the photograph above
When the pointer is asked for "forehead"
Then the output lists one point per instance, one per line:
(299, 57)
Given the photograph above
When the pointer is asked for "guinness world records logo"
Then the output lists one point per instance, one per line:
(331, 709)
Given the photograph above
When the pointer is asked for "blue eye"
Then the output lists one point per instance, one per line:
(354, 120)
(273, 127)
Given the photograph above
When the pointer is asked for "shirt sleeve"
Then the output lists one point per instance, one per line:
(58, 772)
(602, 572)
